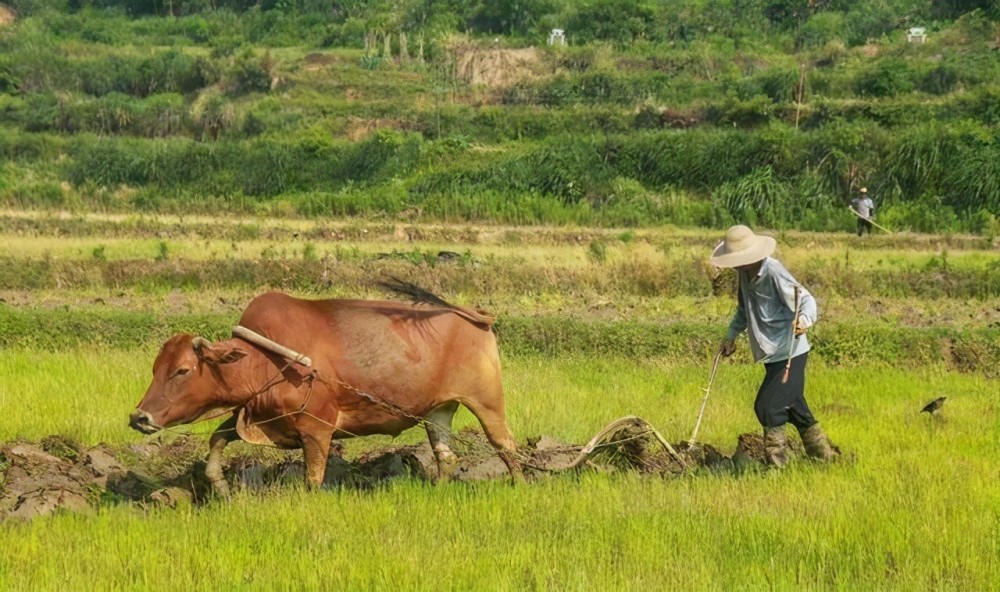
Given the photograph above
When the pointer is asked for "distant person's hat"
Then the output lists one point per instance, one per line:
(863, 190)
(741, 247)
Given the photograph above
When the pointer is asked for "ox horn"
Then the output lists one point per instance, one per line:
(199, 343)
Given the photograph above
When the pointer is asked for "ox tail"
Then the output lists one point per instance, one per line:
(419, 295)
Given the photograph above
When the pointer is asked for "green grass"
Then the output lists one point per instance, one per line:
(918, 508)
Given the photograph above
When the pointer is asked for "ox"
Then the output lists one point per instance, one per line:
(376, 368)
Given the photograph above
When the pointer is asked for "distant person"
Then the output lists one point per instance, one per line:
(765, 308)
(865, 210)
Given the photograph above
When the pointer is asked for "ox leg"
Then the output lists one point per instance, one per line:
(439, 433)
(316, 450)
(221, 437)
(494, 423)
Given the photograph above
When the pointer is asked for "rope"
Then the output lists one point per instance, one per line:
(600, 440)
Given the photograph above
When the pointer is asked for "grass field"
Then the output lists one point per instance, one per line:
(163, 163)
(916, 507)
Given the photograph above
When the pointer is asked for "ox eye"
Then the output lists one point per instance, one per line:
(180, 372)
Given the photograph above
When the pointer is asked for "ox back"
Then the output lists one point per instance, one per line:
(412, 356)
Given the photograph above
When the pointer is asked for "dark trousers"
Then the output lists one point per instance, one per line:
(863, 224)
(778, 404)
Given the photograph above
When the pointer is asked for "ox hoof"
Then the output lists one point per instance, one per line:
(221, 489)
(446, 466)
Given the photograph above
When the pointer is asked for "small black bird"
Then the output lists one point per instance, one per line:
(934, 405)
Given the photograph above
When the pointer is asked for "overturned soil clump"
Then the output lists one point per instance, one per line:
(57, 474)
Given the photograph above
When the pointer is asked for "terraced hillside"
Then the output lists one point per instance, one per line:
(692, 115)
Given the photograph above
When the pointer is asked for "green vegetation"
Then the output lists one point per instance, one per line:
(594, 324)
(769, 112)
(914, 510)
(164, 161)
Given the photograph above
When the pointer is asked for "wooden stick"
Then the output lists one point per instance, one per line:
(795, 338)
(869, 220)
(708, 389)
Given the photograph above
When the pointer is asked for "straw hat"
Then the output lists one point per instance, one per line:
(863, 190)
(741, 247)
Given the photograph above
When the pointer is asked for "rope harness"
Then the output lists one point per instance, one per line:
(601, 440)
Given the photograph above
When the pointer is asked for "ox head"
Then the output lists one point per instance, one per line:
(187, 383)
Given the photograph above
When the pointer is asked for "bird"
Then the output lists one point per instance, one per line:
(934, 406)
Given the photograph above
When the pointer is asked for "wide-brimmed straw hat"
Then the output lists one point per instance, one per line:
(741, 247)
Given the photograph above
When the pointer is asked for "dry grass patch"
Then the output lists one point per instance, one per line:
(495, 67)
(7, 15)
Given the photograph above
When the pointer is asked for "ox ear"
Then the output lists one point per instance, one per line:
(219, 356)
(229, 356)
(208, 353)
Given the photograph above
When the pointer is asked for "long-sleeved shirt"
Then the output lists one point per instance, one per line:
(864, 207)
(765, 307)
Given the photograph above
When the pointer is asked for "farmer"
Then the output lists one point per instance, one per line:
(865, 210)
(765, 308)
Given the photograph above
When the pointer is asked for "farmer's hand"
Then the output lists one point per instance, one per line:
(802, 326)
(727, 347)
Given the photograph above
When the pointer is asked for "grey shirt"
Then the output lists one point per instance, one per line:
(765, 307)
(864, 207)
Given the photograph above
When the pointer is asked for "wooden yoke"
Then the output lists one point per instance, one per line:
(271, 346)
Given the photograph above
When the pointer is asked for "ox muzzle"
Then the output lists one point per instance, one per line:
(143, 422)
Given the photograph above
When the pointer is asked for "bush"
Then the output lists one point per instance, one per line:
(251, 74)
(866, 20)
(755, 199)
(887, 77)
(9, 81)
(167, 71)
(350, 33)
(927, 214)
(939, 80)
(618, 21)
(26, 147)
(822, 29)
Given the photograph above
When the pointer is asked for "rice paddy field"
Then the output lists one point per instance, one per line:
(594, 324)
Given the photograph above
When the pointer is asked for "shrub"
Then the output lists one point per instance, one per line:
(872, 19)
(350, 33)
(822, 29)
(972, 182)
(887, 77)
(756, 198)
(939, 80)
(927, 214)
(9, 81)
(618, 21)
(251, 74)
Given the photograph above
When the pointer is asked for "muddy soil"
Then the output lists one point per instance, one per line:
(59, 475)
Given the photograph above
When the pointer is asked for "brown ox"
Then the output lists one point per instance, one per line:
(421, 359)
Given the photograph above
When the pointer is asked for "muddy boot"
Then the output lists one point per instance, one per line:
(817, 445)
(776, 446)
